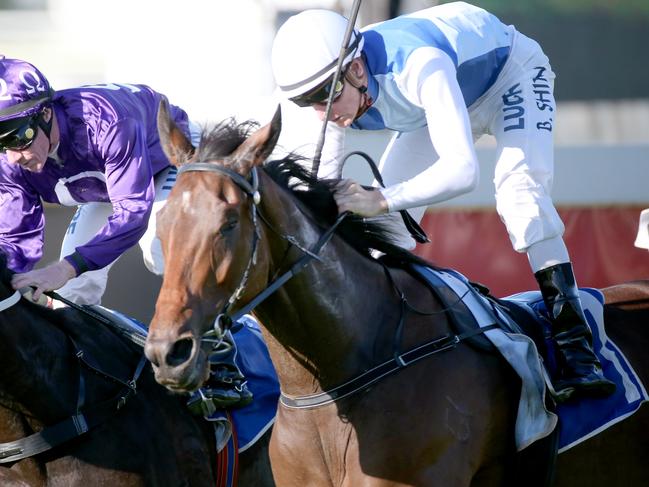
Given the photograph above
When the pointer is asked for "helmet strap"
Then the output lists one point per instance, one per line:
(46, 126)
(365, 101)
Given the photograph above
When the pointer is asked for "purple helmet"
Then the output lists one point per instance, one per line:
(24, 90)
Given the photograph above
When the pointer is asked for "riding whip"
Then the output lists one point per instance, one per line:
(339, 68)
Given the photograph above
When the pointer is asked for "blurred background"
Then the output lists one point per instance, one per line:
(211, 57)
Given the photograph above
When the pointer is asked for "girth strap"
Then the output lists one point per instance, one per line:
(377, 373)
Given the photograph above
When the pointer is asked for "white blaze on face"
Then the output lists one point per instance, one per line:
(187, 202)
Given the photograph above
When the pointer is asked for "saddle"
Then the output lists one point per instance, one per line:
(540, 456)
(520, 318)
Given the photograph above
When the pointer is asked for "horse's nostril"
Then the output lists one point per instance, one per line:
(180, 352)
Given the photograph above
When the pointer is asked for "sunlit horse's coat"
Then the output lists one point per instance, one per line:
(446, 421)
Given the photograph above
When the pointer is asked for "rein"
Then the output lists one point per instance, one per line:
(224, 320)
(360, 382)
(399, 361)
(84, 419)
(366, 379)
(10, 301)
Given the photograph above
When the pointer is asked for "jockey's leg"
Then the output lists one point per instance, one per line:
(163, 183)
(89, 287)
(524, 113)
(579, 368)
(149, 243)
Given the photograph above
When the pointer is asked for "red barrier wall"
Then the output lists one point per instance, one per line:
(475, 242)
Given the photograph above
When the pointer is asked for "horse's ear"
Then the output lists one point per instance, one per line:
(175, 144)
(256, 149)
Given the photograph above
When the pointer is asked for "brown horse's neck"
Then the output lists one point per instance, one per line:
(323, 324)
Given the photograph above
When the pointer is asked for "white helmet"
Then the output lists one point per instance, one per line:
(306, 48)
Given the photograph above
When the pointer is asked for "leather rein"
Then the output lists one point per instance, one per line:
(363, 380)
(251, 188)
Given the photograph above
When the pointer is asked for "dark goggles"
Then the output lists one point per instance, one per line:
(18, 134)
(320, 94)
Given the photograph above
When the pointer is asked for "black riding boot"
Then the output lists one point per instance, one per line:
(226, 388)
(579, 370)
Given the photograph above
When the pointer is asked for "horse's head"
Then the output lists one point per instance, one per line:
(209, 242)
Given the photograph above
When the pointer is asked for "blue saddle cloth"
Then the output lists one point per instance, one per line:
(584, 418)
(252, 421)
(580, 419)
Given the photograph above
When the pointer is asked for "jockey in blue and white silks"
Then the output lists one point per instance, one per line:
(441, 78)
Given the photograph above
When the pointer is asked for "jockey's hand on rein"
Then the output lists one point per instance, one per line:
(49, 278)
(28, 293)
(352, 196)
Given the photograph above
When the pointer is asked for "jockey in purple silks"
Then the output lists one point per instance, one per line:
(441, 78)
(94, 147)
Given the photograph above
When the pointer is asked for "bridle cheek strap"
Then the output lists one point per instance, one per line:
(250, 188)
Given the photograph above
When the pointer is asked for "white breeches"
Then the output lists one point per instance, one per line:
(520, 112)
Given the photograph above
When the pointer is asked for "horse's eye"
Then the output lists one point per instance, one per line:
(228, 226)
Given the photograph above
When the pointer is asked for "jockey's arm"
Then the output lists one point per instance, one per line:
(129, 181)
(430, 82)
(22, 224)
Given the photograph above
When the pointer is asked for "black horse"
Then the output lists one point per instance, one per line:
(56, 364)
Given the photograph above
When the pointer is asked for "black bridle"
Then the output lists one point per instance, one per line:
(363, 380)
(251, 188)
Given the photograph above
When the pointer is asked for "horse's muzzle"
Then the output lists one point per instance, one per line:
(180, 365)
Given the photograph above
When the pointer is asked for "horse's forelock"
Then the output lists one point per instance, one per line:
(223, 139)
(293, 174)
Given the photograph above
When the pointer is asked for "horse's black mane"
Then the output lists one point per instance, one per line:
(291, 173)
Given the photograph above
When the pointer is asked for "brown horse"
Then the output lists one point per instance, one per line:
(56, 363)
(231, 227)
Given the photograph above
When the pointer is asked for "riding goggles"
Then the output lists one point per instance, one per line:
(320, 94)
(18, 134)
